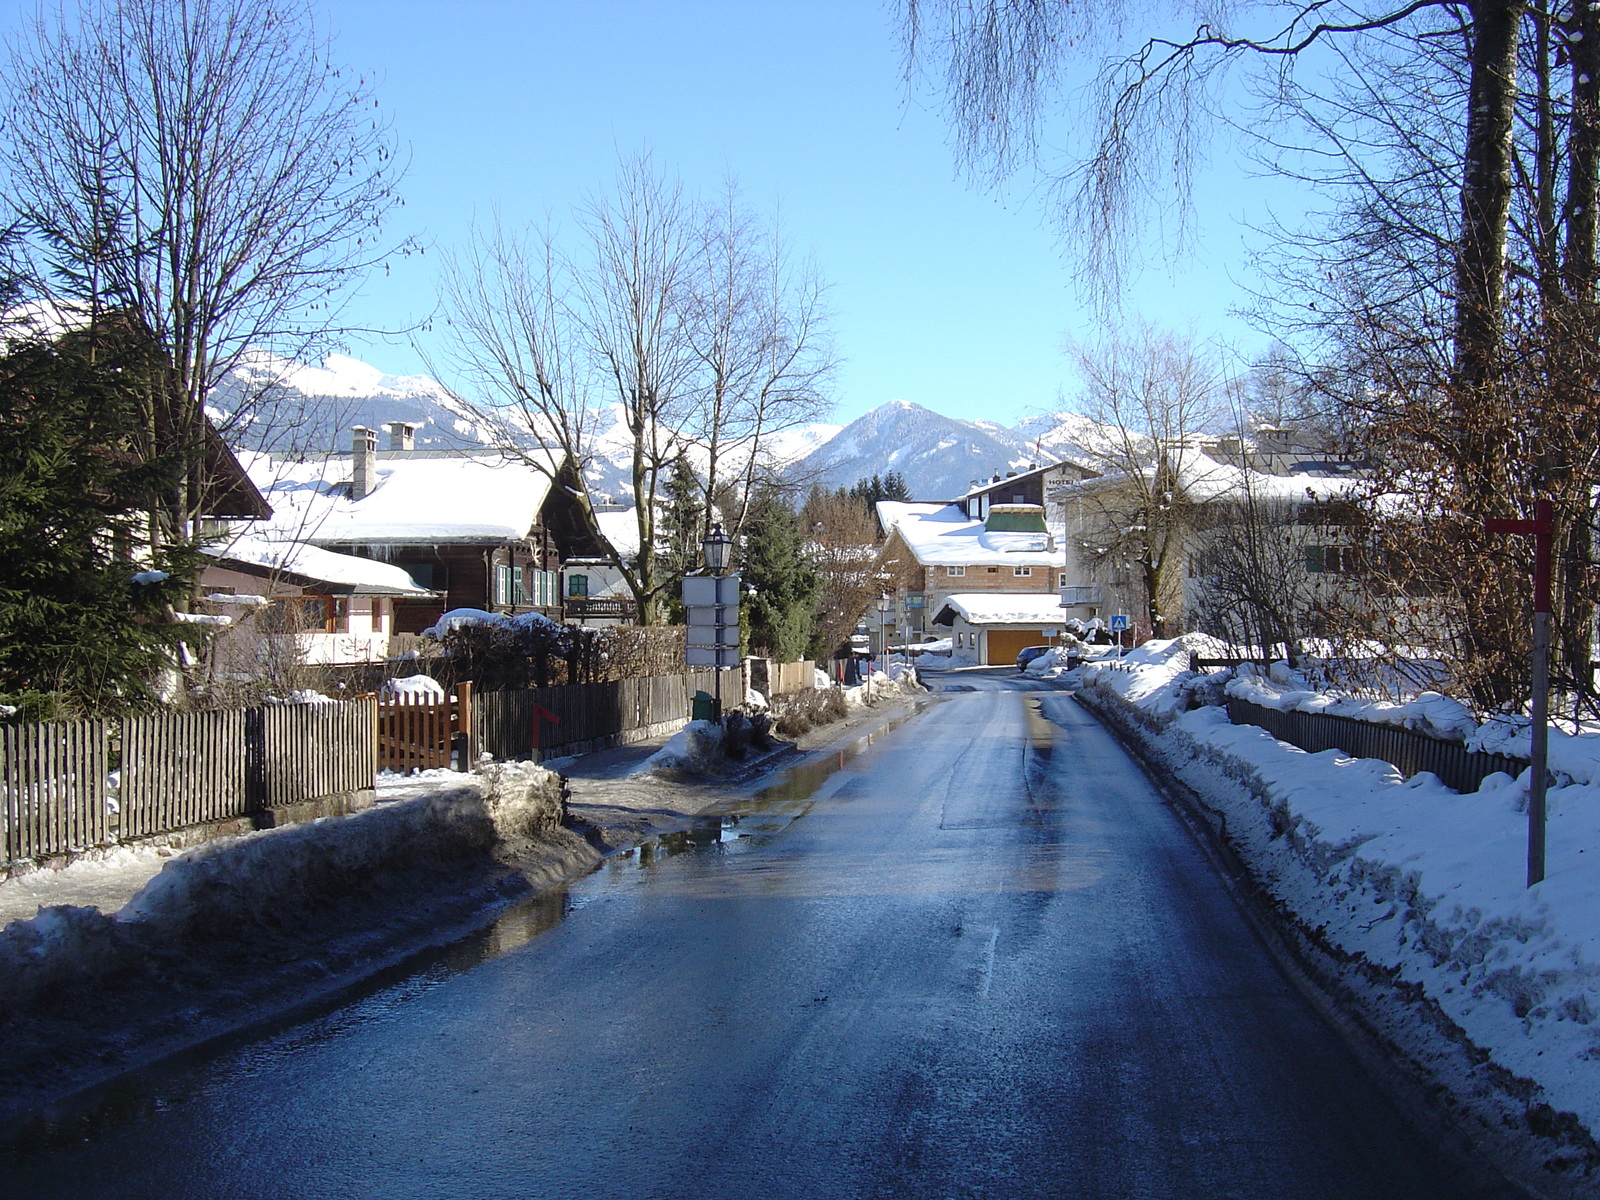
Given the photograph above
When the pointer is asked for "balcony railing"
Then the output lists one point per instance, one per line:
(1083, 593)
(609, 607)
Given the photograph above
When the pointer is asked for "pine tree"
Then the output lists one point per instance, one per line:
(778, 615)
(681, 525)
(84, 627)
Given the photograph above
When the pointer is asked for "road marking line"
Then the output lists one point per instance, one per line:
(988, 963)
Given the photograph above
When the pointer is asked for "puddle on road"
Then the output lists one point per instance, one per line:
(755, 821)
(184, 1075)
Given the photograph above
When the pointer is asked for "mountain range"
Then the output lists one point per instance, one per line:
(312, 409)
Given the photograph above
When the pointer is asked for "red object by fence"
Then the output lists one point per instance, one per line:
(539, 711)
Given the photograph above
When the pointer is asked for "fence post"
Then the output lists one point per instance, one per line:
(256, 800)
(464, 723)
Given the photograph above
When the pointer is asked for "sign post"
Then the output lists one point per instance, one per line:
(713, 634)
(1119, 626)
(1542, 527)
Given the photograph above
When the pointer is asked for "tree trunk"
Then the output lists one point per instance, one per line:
(1480, 265)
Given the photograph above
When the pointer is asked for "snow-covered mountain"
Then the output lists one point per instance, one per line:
(289, 406)
(941, 456)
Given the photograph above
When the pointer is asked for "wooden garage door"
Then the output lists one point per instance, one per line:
(1004, 643)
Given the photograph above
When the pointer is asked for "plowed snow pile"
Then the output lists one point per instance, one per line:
(1405, 874)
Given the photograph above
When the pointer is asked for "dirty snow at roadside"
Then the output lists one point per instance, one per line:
(1407, 873)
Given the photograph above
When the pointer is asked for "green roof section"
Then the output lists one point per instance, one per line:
(1015, 518)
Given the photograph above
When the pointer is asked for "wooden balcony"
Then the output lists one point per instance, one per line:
(607, 608)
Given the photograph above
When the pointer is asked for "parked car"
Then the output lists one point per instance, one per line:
(1028, 653)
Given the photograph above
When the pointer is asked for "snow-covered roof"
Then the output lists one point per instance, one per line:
(943, 535)
(363, 575)
(1204, 479)
(1004, 608)
(419, 498)
(621, 529)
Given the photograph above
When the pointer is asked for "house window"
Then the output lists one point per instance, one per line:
(955, 571)
(1022, 572)
(1330, 560)
(577, 587)
(1061, 580)
(504, 587)
(425, 575)
(992, 570)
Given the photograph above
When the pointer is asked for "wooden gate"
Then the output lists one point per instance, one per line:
(416, 732)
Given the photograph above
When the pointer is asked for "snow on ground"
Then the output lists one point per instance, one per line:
(1405, 873)
(106, 881)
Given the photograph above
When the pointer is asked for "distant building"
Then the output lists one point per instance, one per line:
(992, 581)
(471, 528)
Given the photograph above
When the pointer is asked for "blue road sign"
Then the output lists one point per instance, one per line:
(1119, 622)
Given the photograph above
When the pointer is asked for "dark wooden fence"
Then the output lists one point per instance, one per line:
(541, 722)
(181, 769)
(1408, 750)
(70, 786)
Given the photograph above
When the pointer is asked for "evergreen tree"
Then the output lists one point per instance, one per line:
(84, 626)
(778, 615)
(681, 525)
(881, 487)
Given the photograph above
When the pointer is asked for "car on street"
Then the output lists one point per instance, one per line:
(1027, 654)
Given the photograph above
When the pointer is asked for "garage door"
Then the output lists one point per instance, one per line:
(1004, 643)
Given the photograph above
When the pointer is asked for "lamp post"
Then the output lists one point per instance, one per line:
(715, 549)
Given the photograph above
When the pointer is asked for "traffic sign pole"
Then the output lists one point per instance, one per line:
(1542, 527)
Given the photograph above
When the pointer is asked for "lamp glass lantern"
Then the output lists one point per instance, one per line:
(716, 547)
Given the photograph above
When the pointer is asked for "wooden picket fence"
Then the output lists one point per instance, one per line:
(69, 786)
(541, 722)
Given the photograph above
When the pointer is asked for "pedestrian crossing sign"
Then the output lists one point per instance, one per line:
(1119, 622)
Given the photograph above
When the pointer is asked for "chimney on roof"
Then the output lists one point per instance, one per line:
(1011, 474)
(363, 462)
(402, 435)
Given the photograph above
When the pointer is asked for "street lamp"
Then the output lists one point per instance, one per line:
(715, 548)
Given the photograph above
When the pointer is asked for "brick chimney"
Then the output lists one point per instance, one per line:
(402, 435)
(363, 462)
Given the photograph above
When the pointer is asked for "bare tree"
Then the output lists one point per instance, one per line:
(1152, 391)
(757, 324)
(204, 166)
(685, 328)
(852, 568)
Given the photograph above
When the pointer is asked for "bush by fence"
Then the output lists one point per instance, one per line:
(1408, 750)
(74, 785)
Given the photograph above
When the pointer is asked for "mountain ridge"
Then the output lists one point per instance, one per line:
(310, 409)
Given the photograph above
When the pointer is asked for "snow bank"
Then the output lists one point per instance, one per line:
(1423, 888)
(267, 896)
(696, 749)
(819, 678)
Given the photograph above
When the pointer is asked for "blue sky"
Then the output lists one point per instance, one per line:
(944, 294)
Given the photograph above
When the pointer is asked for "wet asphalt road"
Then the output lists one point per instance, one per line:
(981, 960)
